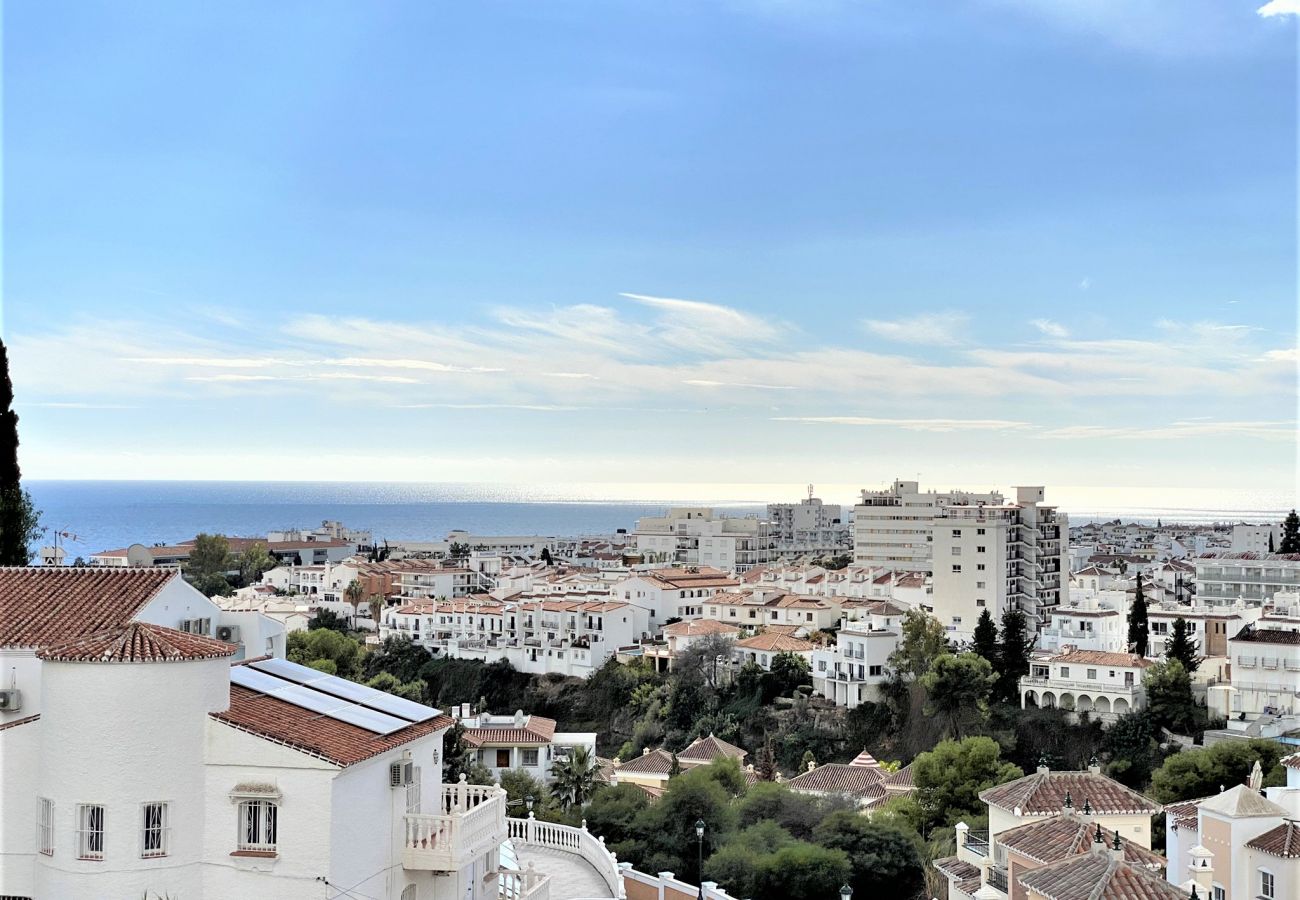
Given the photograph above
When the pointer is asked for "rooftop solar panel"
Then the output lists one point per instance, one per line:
(255, 680)
(368, 719)
(282, 668)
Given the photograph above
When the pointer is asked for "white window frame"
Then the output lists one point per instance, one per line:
(1269, 880)
(45, 826)
(413, 791)
(155, 830)
(90, 831)
(536, 756)
(260, 834)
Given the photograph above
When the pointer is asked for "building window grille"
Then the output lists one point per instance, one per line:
(258, 821)
(90, 831)
(155, 830)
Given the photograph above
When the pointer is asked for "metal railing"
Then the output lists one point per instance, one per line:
(998, 878)
(977, 842)
(578, 841)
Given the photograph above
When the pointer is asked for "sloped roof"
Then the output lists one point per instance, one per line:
(1061, 837)
(1292, 761)
(43, 605)
(861, 782)
(1102, 658)
(1183, 814)
(1043, 793)
(967, 876)
(774, 642)
(699, 627)
(1096, 876)
(1240, 802)
(707, 749)
(309, 732)
(138, 642)
(656, 762)
(1282, 841)
(865, 759)
(900, 780)
(535, 730)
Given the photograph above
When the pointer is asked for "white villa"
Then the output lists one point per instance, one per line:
(850, 672)
(1105, 685)
(520, 742)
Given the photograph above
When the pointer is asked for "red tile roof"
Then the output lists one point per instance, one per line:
(1043, 794)
(1102, 658)
(1292, 761)
(1283, 841)
(861, 782)
(698, 627)
(309, 732)
(967, 876)
(1096, 876)
(535, 730)
(44, 605)
(656, 762)
(1061, 837)
(138, 642)
(776, 643)
(707, 749)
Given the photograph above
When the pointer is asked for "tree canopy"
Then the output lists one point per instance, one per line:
(1202, 772)
(957, 689)
(1139, 635)
(922, 642)
(1290, 534)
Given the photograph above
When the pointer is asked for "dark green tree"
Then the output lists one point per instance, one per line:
(327, 618)
(19, 519)
(574, 777)
(1169, 696)
(546, 555)
(986, 637)
(1200, 772)
(957, 691)
(1290, 534)
(208, 564)
(789, 671)
(1271, 547)
(950, 777)
(399, 656)
(923, 641)
(884, 860)
(1139, 630)
(1013, 655)
(1131, 749)
(1181, 647)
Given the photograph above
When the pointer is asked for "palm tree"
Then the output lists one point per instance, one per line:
(353, 593)
(574, 778)
(376, 608)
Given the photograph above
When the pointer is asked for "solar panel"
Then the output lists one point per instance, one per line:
(383, 702)
(291, 671)
(255, 680)
(309, 699)
(369, 719)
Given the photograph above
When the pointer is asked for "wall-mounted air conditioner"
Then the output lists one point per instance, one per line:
(228, 633)
(11, 700)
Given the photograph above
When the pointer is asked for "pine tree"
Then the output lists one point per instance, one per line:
(19, 525)
(1181, 648)
(1271, 548)
(1290, 534)
(986, 638)
(1138, 627)
(1013, 655)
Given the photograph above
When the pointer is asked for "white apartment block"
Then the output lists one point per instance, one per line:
(762, 607)
(809, 526)
(1263, 696)
(1091, 620)
(1256, 538)
(695, 536)
(850, 672)
(678, 593)
(1224, 578)
(998, 558)
(421, 583)
(893, 528)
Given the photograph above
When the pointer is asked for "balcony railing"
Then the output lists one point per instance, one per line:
(472, 821)
(578, 841)
(998, 878)
(977, 842)
(528, 884)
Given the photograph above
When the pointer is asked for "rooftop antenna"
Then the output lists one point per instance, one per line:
(64, 535)
(810, 492)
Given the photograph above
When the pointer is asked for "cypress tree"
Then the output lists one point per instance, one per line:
(1013, 655)
(1181, 648)
(18, 519)
(1138, 628)
(986, 638)
(1290, 534)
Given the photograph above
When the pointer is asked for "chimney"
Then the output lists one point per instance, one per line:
(1098, 840)
(1116, 848)
(1043, 768)
(645, 751)
(1094, 765)
(519, 718)
(1200, 870)
(1067, 808)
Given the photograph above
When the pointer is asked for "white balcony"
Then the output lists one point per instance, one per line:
(471, 822)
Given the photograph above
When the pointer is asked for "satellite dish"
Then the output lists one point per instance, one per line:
(139, 555)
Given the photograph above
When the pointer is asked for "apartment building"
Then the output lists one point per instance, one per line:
(1263, 697)
(1260, 539)
(678, 593)
(893, 528)
(1251, 577)
(761, 607)
(1090, 620)
(850, 672)
(1104, 685)
(419, 582)
(678, 638)
(809, 526)
(696, 536)
(998, 558)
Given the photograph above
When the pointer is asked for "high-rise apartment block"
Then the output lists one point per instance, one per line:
(894, 528)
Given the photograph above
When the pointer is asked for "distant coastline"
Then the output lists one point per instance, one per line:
(108, 514)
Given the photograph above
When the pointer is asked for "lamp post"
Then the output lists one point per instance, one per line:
(846, 892)
(699, 840)
(528, 802)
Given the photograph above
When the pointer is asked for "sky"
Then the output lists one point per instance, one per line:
(684, 241)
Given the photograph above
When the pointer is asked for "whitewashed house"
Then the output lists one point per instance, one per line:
(1105, 685)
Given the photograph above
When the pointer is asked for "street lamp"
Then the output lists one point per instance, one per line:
(699, 837)
(846, 892)
(528, 801)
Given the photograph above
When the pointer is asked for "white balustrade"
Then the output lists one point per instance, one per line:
(578, 841)
(473, 820)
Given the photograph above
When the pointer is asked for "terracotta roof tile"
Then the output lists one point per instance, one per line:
(1061, 837)
(1102, 658)
(1292, 761)
(656, 762)
(138, 642)
(1283, 841)
(967, 876)
(535, 730)
(862, 782)
(312, 733)
(43, 605)
(1251, 634)
(776, 643)
(707, 749)
(1096, 876)
(1044, 794)
(698, 627)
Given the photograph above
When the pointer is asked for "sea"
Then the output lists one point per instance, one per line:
(102, 515)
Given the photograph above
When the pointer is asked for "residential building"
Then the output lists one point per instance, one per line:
(809, 526)
(520, 743)
(863, 781)
(1091, 620)
(1260, 539)
(893, 528)
(1240, 844)
(1104, 685)
(757, 607)
(998, 558)
(1253, 578)
(697, 536)
(420, 582)
(1041, 795)
(651, 770)
(764, 647)
(850, 672)
(673, 593)
(1263, 697)
(329, 530)
(679, 636)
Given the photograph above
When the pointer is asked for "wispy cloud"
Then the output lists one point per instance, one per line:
(1279, 430)
(1275, 8)
(704, 382)
(911, 424)
(944, 329)
(1050, 328)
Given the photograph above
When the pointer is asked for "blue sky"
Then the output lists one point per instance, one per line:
(751, 241)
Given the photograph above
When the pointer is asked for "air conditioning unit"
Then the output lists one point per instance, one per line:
(228, 633)
(401, 774)
(11, 700)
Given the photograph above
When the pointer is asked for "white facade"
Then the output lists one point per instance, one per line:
(1092, 620)
(998, 558)
(1104, 685)
(850, 673)
(892, 528)
(694, 536)
(672, 593)
(1265, 686)
(809, 526)
(1256, 538)
(1253, 578)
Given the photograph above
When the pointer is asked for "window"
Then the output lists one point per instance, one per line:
(979, 567)
(257, 825)
(155, 830)
(979, 601)
(530, 757)
(877, 671)
(956, 569)
(979, 530)
(90, 831)
(956, 532)
(1065, 671)
(45, 827)
(413, 791)
(408, 892)
(956, 551)
(1266, 885)
(979, 549)
(1219, 893)
(1092, 674)
(980, 584)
